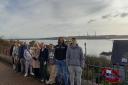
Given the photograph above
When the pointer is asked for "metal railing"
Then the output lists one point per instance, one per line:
(105, 75)
(4, 50)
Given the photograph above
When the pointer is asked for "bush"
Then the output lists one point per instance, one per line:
(95, 60)
(4, 44)
(94, 64)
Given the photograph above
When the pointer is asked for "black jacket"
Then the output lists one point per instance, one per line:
(11, 50)
(60, 52)
(43, 56)
(21, 51)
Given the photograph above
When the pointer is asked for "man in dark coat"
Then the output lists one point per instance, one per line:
(60, 56)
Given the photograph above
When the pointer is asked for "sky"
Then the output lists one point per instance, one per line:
(48, 18)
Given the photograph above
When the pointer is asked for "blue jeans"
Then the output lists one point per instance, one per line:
(62, 70)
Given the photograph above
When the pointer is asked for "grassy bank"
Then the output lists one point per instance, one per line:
(93, 65)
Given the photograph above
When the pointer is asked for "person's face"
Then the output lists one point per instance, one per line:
(42, 45)
(74, 42)
(24, 43)
(50, 46)
(61, 40)
(15, 44)
(21, 43)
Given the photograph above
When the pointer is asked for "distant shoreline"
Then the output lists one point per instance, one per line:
(89, 37)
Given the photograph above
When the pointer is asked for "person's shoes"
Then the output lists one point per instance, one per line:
(14, 67)
(47, 82)
(42, 80)
(25, 75)
(32, 74)
(50, 82)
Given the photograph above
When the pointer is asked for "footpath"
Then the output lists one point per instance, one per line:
(9, 77)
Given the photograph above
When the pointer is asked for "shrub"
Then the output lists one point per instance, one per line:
(94, 63)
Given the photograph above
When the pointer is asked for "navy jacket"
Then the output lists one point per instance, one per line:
(21, 51)
(43, 56)
(60, 52)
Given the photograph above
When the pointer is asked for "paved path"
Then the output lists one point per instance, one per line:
(9, 77)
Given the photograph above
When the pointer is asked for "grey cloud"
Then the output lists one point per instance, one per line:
(91, 20)
(57, 9)
(124, 15)
(116, 15)
(106, 16)
(77, 8)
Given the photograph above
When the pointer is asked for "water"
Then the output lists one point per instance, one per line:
(93, 47)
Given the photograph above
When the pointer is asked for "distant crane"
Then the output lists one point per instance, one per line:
(95, 33)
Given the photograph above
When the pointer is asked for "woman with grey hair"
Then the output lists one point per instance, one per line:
(28, 61)
(35, 50)
(15, 55)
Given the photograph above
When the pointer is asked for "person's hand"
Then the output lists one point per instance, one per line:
(82, 67)
(45, 63)
(65, 61)
(34, 58)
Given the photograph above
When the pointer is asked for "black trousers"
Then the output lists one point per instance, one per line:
(36, 72)
(44, 74)
(18, 66)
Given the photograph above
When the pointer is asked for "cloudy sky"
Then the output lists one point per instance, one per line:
(46, 18)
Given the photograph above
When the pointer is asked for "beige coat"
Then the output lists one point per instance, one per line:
(35, 54)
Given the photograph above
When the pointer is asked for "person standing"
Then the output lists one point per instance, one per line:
(28, 61)
(35, 61)
(51, 65)
(15, 56)
(11, 54)
(21, 56)
(43, 59)
(60, 56)
(75, 61)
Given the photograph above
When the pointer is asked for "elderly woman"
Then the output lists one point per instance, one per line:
(28, 61)
(43, 58)
(15, 55)
(51, 65)
(35, 61)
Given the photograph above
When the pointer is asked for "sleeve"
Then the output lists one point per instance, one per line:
(82, 58)
(55, 52)
(67, 56)
(39, 55)
(13, 51)
(35, 55)
(47, 54)
(25, 55)
(19, 51)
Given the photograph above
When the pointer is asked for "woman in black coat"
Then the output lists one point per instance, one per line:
(43, 58)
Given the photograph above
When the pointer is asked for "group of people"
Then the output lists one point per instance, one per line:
(51, 64)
